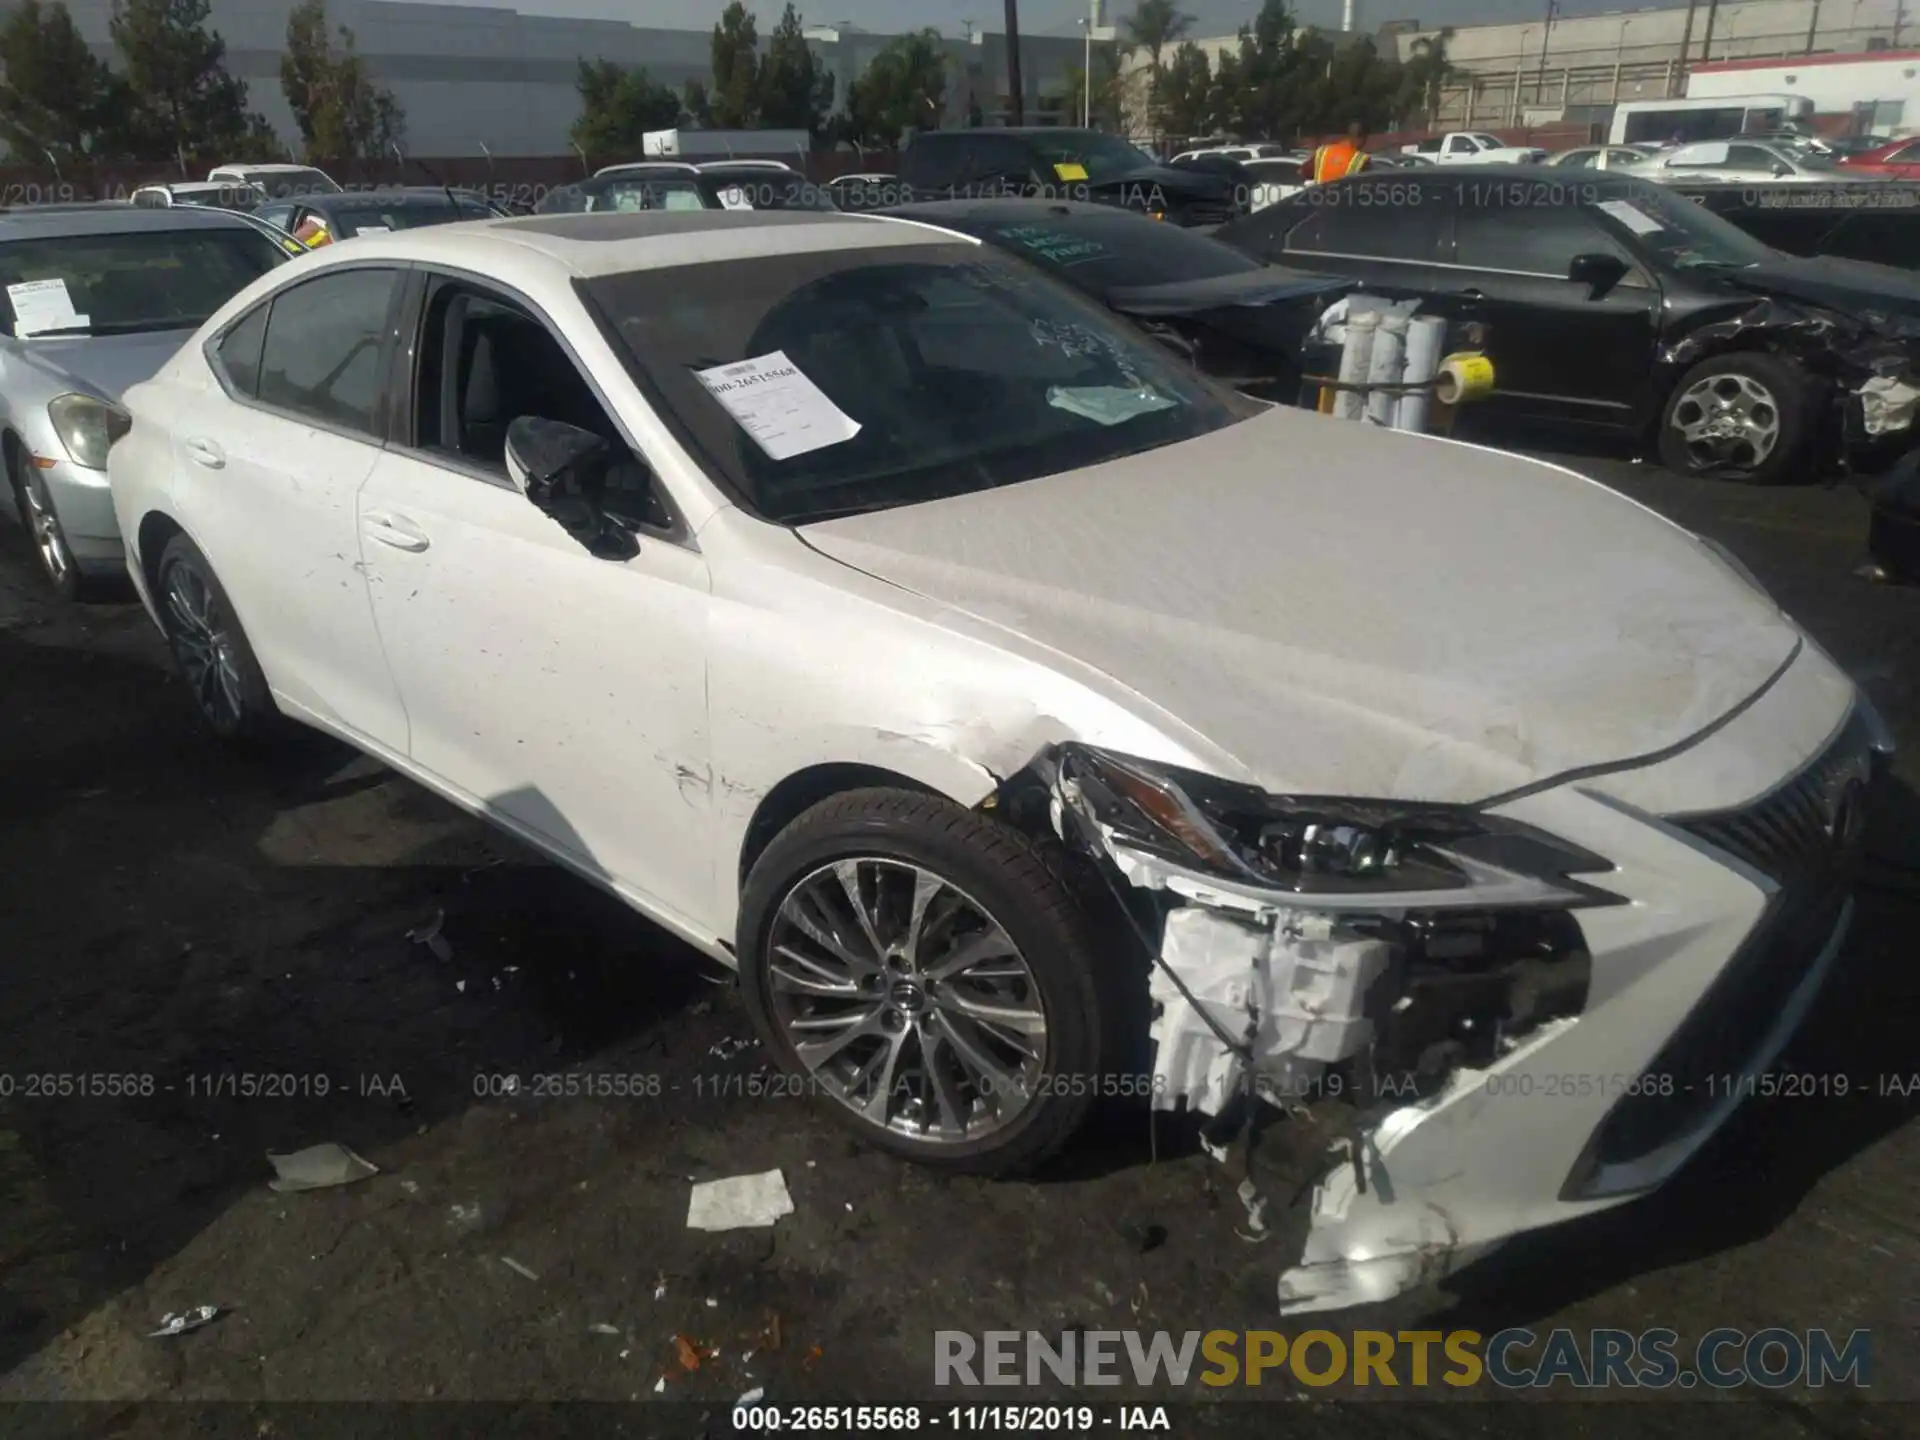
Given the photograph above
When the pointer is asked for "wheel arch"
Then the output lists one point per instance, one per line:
(156, 529)
(803, 789)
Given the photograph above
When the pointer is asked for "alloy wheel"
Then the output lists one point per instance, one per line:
(1728, 419)
(204, 645)
(49, 540)
(906, 1001)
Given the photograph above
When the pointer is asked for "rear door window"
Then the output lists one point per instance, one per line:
(325, 349)
(1377, 220)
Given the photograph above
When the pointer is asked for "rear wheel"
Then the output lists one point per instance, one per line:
(1738, 417)
(224, 679)
(926, 969)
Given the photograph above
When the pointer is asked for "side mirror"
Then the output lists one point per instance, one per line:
(1781, 169)
(562, 469)
(542, 453)
(1599, 272)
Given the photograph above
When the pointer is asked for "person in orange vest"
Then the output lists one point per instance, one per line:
(1341, 157)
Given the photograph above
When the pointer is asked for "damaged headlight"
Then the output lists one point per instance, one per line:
(1322, 852)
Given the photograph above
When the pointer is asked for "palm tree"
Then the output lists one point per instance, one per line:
(1153, 26)
(1428, 69)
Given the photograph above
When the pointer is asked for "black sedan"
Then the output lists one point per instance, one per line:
(1618, 304)
(1853, 221)
(1236, 318)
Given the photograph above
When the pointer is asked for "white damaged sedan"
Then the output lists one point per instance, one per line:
(1025, 717)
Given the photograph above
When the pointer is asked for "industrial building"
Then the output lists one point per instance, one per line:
(1577, 68)
(475, 80)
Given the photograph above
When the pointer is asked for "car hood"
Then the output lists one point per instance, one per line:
(1171, 180)
(1346, 610)
(1266, 286)
(1855, 286)
(105, 365)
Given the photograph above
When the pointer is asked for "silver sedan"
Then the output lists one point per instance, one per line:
(94, 299)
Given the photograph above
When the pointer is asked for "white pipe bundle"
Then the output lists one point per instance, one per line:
(1426, 338)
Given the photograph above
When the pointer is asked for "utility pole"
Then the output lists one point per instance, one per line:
(1546, 33)
(1706, 45)
(1016, 97)
(1686, 45)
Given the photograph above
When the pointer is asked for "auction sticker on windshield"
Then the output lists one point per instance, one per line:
(43, 305)
(784, 411)
(1631, 216)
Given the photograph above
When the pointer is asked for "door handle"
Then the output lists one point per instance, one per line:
(204, 452)
(1473, 294)
(400, 533)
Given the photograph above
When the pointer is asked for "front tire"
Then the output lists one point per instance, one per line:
(50, 548)
(223, 677)
(929, 970)
(1745, 417)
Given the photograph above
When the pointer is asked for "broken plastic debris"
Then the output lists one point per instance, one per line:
(1256, 1203)
(712, 1304)
(660, 1386)
(753, 1396)
(517, 1268)
(727, 1049)
(686, 1353)
(412, 1187)
(180, 1322)
(660, 1288)
(461, 986)
(600, 1327)
(318, 1167)
(739, 1202)
(459, 1214)
(429, 935)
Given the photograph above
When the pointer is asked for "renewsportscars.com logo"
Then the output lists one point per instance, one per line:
(1516, 1359)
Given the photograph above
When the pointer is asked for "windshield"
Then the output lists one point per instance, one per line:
(626, 195)
(1098, 252)
(823, 384)
(1103, 157)
(372, 217)
(118, 284)
(768, 190)
(1679, 232)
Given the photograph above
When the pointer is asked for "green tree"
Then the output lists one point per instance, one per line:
(618, 106)
(1424, 74)
(184, 104)
(1153, 26)
(1108, 100)
(903, 89)
(58, 99)
(733, 100)
(1186, 93)
(796, 92)
(340, 112)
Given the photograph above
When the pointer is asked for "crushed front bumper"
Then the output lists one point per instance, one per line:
(1691, 987)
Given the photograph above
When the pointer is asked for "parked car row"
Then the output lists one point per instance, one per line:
(908, 630)
(1618, 306)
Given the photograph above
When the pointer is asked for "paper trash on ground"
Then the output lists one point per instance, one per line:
(42, 305)
(318, 1167)
(784, 411)
(739, 1202)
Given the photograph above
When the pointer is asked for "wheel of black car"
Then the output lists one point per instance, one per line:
(50, 546)
(1738, 417)
(222, 675)
(928, 970)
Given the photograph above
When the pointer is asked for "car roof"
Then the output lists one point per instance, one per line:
(614, 242)
(270, 169)
(629, 167)
(113, 219)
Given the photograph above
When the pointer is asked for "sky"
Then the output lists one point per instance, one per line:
(1046, 17)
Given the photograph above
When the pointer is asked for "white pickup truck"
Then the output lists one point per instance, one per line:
(1472, 147)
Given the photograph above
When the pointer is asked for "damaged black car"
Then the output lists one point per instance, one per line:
(1621, 306)
(1236, 318)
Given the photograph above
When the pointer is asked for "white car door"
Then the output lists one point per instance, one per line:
(563, 693)
(267, 466)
